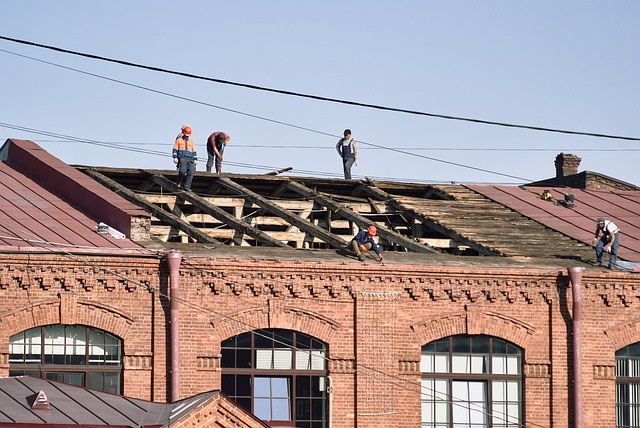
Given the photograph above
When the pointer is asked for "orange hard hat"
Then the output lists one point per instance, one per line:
(372, 230)
(186, 130)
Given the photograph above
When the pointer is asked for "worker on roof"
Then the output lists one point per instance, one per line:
(215, 147)
(347, 148)
(609, 242)
(363, 242)
(185, 157)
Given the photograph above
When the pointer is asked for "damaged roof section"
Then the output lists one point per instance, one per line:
(303, 212)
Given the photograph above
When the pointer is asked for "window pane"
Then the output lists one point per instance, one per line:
(243, 386)
(282, 359)
(280, 409)
(262, 387)
(264, 359)
(460, 364)
(303, 409)
(318, 409)
(263, 339)
(442, 363)
(262, 408)
(499, 364)
(283, 339)
(461, 344)
(499, 346)
(244, 340)
(243, 358)
(280, 387)
(426, 363)
(229, 385)
(513, 365)
(480, 344)
(303, 386)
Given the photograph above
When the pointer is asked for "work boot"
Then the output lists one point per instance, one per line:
(361, 257)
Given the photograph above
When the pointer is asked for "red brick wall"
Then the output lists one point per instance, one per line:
(374, 322)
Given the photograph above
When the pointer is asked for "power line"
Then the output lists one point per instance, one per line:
(317, 97)
(269, 120)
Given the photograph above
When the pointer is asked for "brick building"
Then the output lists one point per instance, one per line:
(472, 318)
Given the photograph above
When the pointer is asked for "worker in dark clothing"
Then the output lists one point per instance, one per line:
(185, 157)
(347, 147)
(363, 242)
(215, 147)
(609, 242)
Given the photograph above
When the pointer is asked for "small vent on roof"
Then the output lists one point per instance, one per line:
(105, 229)
(41, 401)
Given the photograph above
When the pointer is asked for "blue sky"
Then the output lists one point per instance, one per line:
(571, 65)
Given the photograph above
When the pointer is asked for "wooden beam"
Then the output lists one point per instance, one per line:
(304, 225)
(151, 208)
(427, 222)
(235, 223)
(361, 221)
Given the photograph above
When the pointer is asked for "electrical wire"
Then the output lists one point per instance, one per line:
(396, 150)
(314, 97)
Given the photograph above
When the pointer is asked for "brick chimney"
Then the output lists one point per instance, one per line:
(567, 164)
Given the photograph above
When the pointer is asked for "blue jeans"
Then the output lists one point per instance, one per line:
(604, 240)
(186, 168)
(347, 163)
(213, 159)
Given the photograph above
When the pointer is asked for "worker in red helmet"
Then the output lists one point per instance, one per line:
(185, 157)
(363, 242)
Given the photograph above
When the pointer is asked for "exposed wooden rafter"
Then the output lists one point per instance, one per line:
(302, 224)
(152, 208)
(359, 219)
(218, 213)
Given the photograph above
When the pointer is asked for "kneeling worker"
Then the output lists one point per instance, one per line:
(364, 242)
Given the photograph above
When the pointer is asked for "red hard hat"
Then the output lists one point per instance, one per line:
(186, 130)
(372, 230)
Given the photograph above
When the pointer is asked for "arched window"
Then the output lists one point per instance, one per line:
(471, 381)
(278, 375)
(73, 354)
(628, 386)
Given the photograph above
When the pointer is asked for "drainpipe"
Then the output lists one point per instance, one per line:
(575, 275)
(173, 261)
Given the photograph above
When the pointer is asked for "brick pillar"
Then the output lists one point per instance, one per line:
(376, 359)
(567, 164)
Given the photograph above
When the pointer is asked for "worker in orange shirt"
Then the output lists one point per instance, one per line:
(185, 157)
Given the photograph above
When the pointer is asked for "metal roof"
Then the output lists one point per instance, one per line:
(622, 207)
(62, 404)
(36, 215)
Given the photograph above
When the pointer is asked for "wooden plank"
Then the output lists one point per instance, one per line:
(153, 209)
(304, 225)
(361, 221)
(237, 224)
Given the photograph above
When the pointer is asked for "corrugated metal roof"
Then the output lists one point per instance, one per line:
(622, 207)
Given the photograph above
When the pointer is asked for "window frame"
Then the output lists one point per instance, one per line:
(486, 376)
(278, 339)
(625, 415)
(49, 366)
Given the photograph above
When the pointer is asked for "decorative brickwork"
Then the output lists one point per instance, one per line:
(374, 325)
